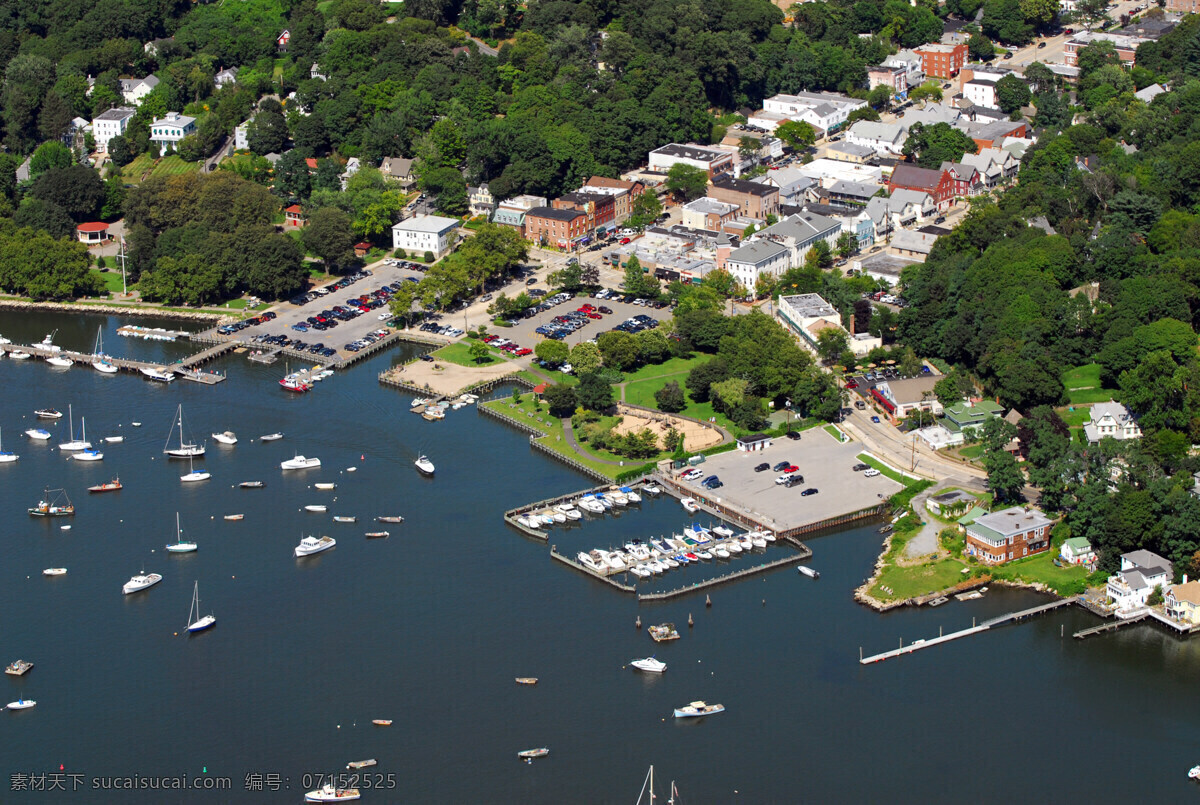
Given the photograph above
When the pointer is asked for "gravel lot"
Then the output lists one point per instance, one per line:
(824, 463)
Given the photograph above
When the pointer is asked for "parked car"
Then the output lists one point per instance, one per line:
(871, 473)
(782, 479)
(794, 435)
(762, 467)
(809, 491)
(875, 419)
(860, 467)
(781, 466)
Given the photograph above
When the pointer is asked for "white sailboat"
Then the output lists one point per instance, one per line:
(180, 545)
(6, 458)
(185, 449)
(201, 622)
(73, 445)
(193, 475)
(88, 453)
(101, 362)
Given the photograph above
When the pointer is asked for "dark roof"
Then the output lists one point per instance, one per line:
(905, 175)
(550, 212)
(753, 438)
(934, 230)
(748, 188)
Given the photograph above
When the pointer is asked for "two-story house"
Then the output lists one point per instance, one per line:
(937, 183)
(1110, 420)
(109, 124)
(399, 169)
(1182, 602)
(481, 201)
(561, 228)
(134, 89)
(425, 233)
(1141, 571)
(883, 138)
(1008, 534)
(1077, 551)
(708, 213)
(168, 131)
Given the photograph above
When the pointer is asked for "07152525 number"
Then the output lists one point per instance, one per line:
(377, 780)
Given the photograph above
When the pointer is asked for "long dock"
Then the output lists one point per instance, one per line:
(801, 555)
(124, 364)
(1108, 627)
(1012, 617)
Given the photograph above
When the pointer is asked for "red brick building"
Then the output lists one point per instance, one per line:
(937, 183)
(942, 61)
(1009, 534)
(562, 228)
(600, 208)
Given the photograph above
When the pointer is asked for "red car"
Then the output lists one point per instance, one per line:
(487, 339)
(587, 307)
(594, 316)
(790, 469)
(853, 384)
(624, 241)
(523, 351)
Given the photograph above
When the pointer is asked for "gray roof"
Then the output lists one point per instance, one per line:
(885, 132)
(697, 152)
(1113, 409)
(119, 113)
(904, 195)
(854, 189)
(742, 186)
(1147, 561)
(809, 305)
(272, 157)
(1148, 94)
(128, 84)
(550, 212)
(853, 149)
(1014, 520)
(396, 166)
(756, 251)
(909, 241)
(801, 226)
(710, 205)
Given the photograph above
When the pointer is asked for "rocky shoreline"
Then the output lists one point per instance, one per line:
(115, 310)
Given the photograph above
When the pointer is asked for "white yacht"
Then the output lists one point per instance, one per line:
(60, 361)
(757, 540)
(614, 560)
(180, 545)
(185, 449)
(158, 373)
(227, 437)
(141, 582)
(19, 355)
(299, 463)
(733, 547)
(74, 444)
(722, 531)
(689, 505)
(650, 664)
(315, 507)
(310, 545)
(569, 511)
(641, 571)
(270, 437)
(590, 504)
(720, 552)
(38, 433)
(331, 793)
(593, 560)
(424, 465)
(617, 498)
(54, 571)
(638, 550)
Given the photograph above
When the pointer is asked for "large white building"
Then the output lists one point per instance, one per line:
(1141, 571)
(752, 260)
(425, 233)
(109, 124)
(713, 160)
(169, 130)
(1110, 420)
(828, 171)
(824, 111)
(800, 232)
(886, 139)
(980, 90)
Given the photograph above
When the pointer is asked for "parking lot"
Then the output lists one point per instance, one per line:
(826, 466)
(525, 332)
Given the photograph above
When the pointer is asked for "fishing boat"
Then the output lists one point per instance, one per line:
(650, 664)
(38, 434)
(54, 571)
(295, 384)
(885, 528)
(179, 545)
(331, 793)
(48, 413)
(326, 485)
(185, 449)
(18, 667)
(689, 505)
(196, 622)
(381, 722)
(299, 462)
(361, 764)
(270, 437)
(21, 704)
(194, 475)
(73, 444)
(808, 571)
(424, 465)
(530, 754)
(158, 373)
(663, 632)
(527, 680)
(378, 534)
(59, 506)
(6, 457)
(392, 518)
(315, 507)
(251, 484)
(234, 516)
(344, 519)
(697, 709)
(227, 437)
(102, 363)
(141, 582)
(310, 545)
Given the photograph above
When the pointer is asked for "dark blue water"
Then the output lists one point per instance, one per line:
(430, 626)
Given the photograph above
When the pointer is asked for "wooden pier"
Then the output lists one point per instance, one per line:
(123, 364)
(1012, 617)
(1111, 626)
(206, 355)
(554, 554)
(804, 553)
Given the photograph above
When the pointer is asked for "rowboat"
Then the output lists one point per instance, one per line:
(378, 534)
(251, 484)
(381, 722)
(360, 764)
(530, 754)
(344, 519)
(390, 519)
(234, 516)
(527, 680)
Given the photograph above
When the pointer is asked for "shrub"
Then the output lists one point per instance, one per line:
(400, 254)
(428, 257)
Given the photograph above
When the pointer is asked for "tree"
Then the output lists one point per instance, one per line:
(980, 48)
(1039, 13)
(797, 134)
(930, 146)
(585, 357)
(330, 236)
(817, 394)
(952, 388)
(819, 256)
(670, 398)
(864, 113)
(645, 210)
(686, 182)
(880, 97)
(552, 352)
(1004, 476)
(54, 116)
(119, 151)
(847, 244)
(638, 282)
(268, 133)
(560, 400)
(1004, 21)
(1093, 10)
(594, 393)
(48, 156)
(748, 148)
(831, 342)
(448, 186)
(1012, 93)
(618, 348)
(929, 91)
(78, 190)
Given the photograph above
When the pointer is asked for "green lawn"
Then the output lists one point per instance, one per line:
(111, 279)
(1068, 580)
(972, 451)
(671, 366)
(1083, 385)
(907, 582)
(553, 434)
(834, 432)
(132, 173)
(642, 393)
(886, 470)
(460, 353)
(167, 166)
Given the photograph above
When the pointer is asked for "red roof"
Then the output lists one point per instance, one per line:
(294, 209)
(364, 245)
(539, 388)
(95, 226)
(311, 162)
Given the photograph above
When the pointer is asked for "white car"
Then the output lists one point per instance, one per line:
(565, 368)
(871, 473)
(782, 479)
(691, 474)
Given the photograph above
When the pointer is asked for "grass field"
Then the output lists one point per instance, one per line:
(972, 451)
(886, 470)
(642, 393)
(552, 430)
(672, 366)
(907, 582)
(460, 353)
(1083, 385)
(1070, 580)
(167, 166)
(111, 279)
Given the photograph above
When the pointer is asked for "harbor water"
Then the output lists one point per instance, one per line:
(430, 626)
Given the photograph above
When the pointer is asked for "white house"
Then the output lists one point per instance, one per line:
(800, 232)
(425, 233)
(995, 166)
(352, 166)
(708, 213)
(754, 259)
(241, 137)
(884, 138)
(1111, 420)
(981, 89)
(1077, 551)
(828, 171)
(1140, 573)
(109, 124)
(134, 89)
(911, 63)
(169, 130)
(824, 111)
(226, 76)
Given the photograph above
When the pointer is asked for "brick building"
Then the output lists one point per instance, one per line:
(561, 228)
(942, 61)
(937, 183)
(755, 200)
(1009, 534)
(600, 208)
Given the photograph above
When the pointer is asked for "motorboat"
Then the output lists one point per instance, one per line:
(652, 490)
(1194, 773)
(630, 495)
(60, 361)
(808, 571)
(694, 530)
(638, 549)
(590, 504)
(723, 531)
(193, 474)
(757, 540)
(530, 754)
(74, 444)
(689, 505)
(331, 793)
(21, 704)
(251, 485)
(54, 571)
(697, 709)
(180, 545)
(315, 507)
(361, 764)
(345, 519)
(424, 465)
(197, 622)
(641, 571)
(326, 485)
(617, 498)
(378, 534)
(603, 500)
(227, 437)
(102, 363)
(663, 632)
(767, 535)
(270, 437)
(569, 511)
(114, 439)
(48, 413)
(6, 457)
(185, 449)
(705, 555)
(650, 665)
(390, 518)
(691, 557)
(593, 560)
(158, 373)
(527, 680)
(299, 462)
(310, 545)
(294, 384)
(733, 546)
(381, 722)
(59, 506)
(555, 516)
(745, 541)
(19, 355)
(614, 561)
(235, 517)
(141, 582)
(39, 434)
(720, 552)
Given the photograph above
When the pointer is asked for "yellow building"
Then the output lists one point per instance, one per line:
(1183, 601)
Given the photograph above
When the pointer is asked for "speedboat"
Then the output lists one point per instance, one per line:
(746, 543)
(689, 505)
(19, 355)
(650, 664)
(588, 503)
(757, 540)
(660, 546)
(733, 547)
(158, 373)
(530, 754)
(1194, 773)
(21, 704)
(641, 571)
(88, 455)
(424, 465)
(377, 534)
(251, 485)
(54, 571)
(325, 485)
(593, 560)
(651, 489)
(556, 516)
(141, 582)
(114, 439)
(617, 498)
(630, 495)
(697, 709)
(569, 511)
(299, 463)
(767, 535)
(60, 361)
(722, 531)
(720, 552)
(695, 530)
(638, 549)
(227, 437)
(808, 571)
(691, 557)
(310, 545)
(603, 500)
(331, 793)
(613, 560)
(47, 413)
(345, 519)
(705, 555)
(38, 433)
(270, 437)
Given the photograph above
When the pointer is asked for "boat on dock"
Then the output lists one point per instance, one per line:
(361, 764)
(58, 506)
(251, 485)
(527, 680)
(310, 545)
(331, 793)
(808, 571)
(698, 709)
(689, 505)
(569, 511)
(589, 503)
(18, 667)
(651, 665)
(378, 534)
(158, 373)
(530, 754)
(663, 632)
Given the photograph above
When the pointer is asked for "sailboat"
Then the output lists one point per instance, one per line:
(185, 449)
(73, 445)
(648, 788)
(193, 475)
(200, 623)
(6, 458)
(101, 362)
(87, 454)
(180, 546)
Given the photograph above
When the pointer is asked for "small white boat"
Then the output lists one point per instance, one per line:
(102, 363)
(48, 413)
(641, 571)
(767, 535)
(299, 462)
(344, 519)
(352, 469)
(705, 555)
(18, 355)
(270, 437)
(808, 571)
(227, 437)
(603, 501)
(114, 439)
(618, 499)
(87, 455)
(697, 709)
(141, 582)
(234, 516)
(593, 560)
(614, 560)
(424, 465)
(733, 547)
(38, 433)
(6, 457)
(745, 541)
(556, 516)
(651, 489)
(180, 545)
(1194, 773)
(60, 361)
(54, 571)
(327, 485)
(591, 505)
(689, 505)
(569, 511)
(331, 793)
(194, 474)
(310, 545)
(650, 665)
(378, 534)
(314, 507)
(722, 531)
(757, 541)
(21, 704)
(158, 373)
(196, 622)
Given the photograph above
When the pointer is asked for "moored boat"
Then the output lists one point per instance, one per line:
(270, 437)
(527, 680)
(344, 519)
(180, 545)
(530, 754)
(360, 764)
(21, 704)
(38, 434)
(808, 571)
(158, 373)
(310, 545)
(185, 449)
(378, 534)
(331, 793)
(689, 505)
(649, 664)
(197, 622)
(381, 722)
(54, 571)
(299, 462)
(326, 485)
(18, 667)
(234, 516)
(697, 709)
(251, 485)
(59, 506)
(391, 518)
(48, 413)
(228, 437)
(315, 507)
(140, 582)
